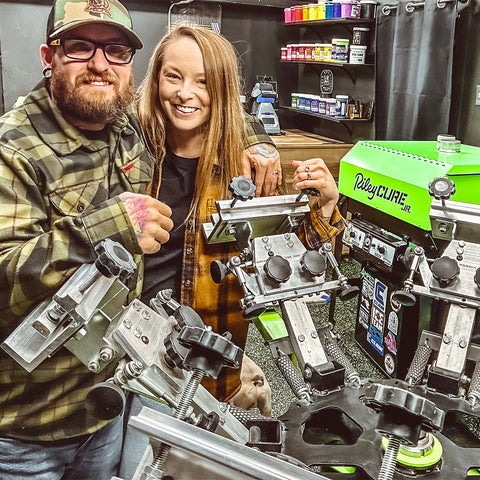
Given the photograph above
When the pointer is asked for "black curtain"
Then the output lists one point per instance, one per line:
(414, 59)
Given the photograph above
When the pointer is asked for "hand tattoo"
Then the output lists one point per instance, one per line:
(137, 211)
(264, 149)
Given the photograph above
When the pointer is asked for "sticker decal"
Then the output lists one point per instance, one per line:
(363, 318)
(389, 363)
(374, 338)
(377, 320)
(392, 323)
(380, 295)
(391, 343)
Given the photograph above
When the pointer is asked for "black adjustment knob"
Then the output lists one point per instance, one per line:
(311, 192)
(186, 315)
(476, 277)
(404, 298)
(175, 352)
(402, 412)
(348, 293)
(218, 271)
(381, 250)
(242, 188)
(208, 351)
(313, 262)
(441, 188)
(278, 269)
(307, 191)
(445, 270)
(253, 311)
(114, 260)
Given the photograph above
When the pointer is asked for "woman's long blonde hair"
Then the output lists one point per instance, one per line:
(225, 131)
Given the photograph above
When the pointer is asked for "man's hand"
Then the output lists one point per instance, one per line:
(150, 219)
(261, 163)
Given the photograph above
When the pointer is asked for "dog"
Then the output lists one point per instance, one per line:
(255, 390)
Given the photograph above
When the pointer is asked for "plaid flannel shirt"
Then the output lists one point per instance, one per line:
(219, 304)
(59, 198)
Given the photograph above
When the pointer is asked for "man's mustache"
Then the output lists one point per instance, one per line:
(89, 78)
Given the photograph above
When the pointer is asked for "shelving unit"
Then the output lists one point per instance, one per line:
(333, 21)
(365, 72)
(330, 64)
(325, 117)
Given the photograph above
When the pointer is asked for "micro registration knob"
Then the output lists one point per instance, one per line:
(242, 188)
(277, 269)
(441, 188)
(445, 270)
(476, 277)
(313, 262)
(114, 260)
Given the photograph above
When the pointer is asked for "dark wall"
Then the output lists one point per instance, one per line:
(258, 33)
(253, 30)
(465, 114)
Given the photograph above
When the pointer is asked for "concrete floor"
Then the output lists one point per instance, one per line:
(343, 326)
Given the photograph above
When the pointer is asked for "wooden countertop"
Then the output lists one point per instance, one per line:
(300, 145)
(300, 139)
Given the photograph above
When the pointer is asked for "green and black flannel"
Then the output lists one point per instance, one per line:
(58, 199)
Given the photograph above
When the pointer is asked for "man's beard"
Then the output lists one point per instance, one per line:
(93, 107)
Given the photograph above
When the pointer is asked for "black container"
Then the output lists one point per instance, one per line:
(368, 8)
(360, 35)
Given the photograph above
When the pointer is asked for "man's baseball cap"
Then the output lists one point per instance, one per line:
(68, 14)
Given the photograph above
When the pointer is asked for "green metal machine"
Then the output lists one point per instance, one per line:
(393, 177)
(389, 189)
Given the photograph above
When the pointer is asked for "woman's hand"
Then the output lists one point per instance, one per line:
(261, 163)
(313, 173)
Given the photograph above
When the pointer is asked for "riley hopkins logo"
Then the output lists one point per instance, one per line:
(381, 191)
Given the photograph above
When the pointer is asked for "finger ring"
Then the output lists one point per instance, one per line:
(275, 172)
(309, 176)
(307, 168)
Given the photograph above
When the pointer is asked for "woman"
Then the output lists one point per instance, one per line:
(190, 110)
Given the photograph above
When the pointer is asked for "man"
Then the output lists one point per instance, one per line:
(73, 170)
(67, 156)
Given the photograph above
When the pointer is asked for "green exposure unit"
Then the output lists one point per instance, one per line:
(393, 176)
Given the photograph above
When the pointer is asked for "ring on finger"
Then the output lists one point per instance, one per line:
(275, 172)
(307, 168)
(309, 176)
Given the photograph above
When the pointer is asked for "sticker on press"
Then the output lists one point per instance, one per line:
(374, 338)
(377, 319)
(363, 318)
(391, 343)
(389, 363)
(365, 303)
(380, 295)
(393, 322)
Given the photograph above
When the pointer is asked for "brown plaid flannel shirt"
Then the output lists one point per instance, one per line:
(218, 304)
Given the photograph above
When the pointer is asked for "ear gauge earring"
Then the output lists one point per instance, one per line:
(47, 72)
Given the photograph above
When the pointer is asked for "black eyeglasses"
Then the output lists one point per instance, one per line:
(84, 50)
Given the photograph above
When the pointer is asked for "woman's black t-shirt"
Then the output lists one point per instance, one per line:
(163, 269)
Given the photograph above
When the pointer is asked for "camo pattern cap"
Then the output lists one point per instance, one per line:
(68, 14)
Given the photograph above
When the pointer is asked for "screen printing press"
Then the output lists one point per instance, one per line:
(339, 425)
(391, 189)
